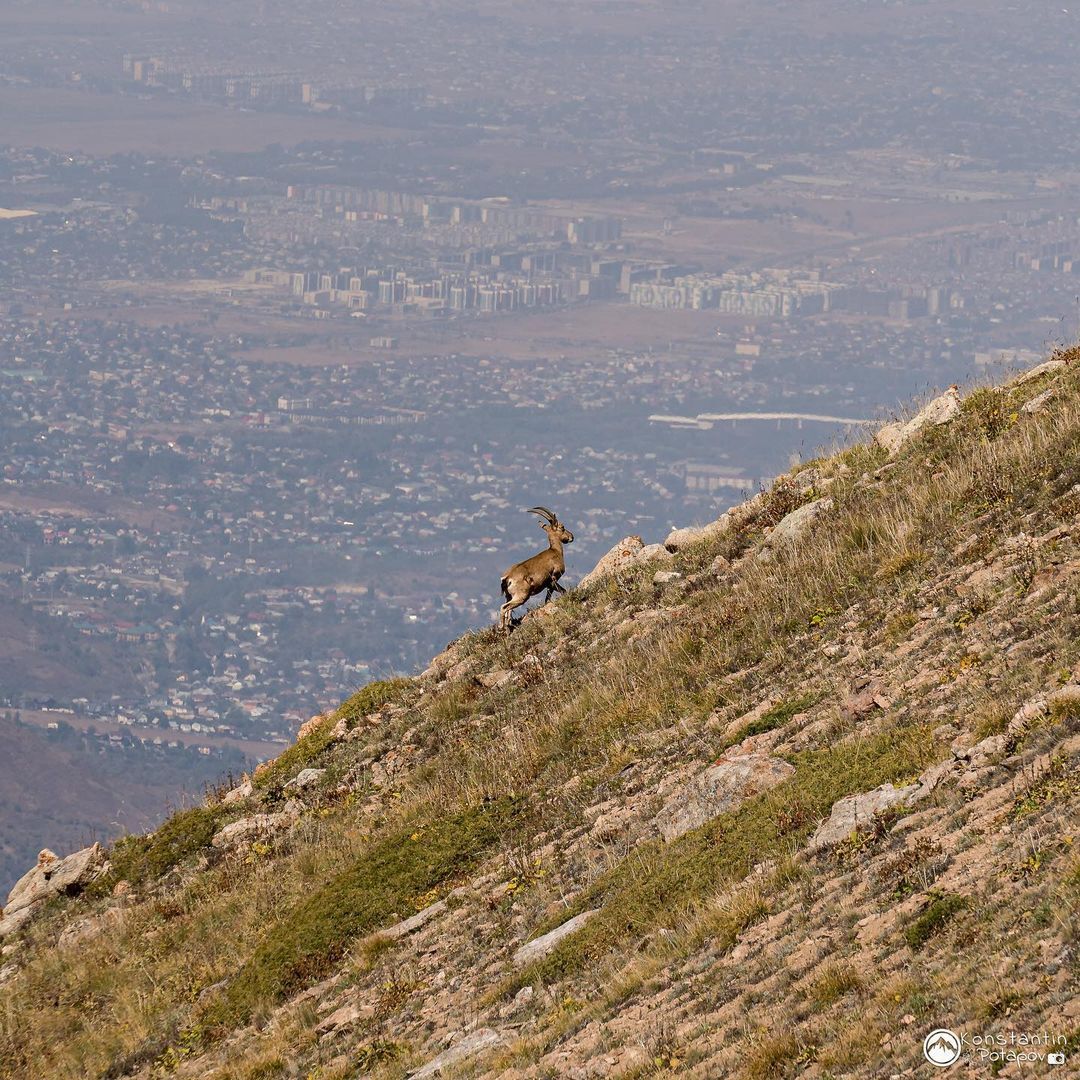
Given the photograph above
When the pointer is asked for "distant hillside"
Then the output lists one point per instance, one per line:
(62, 789)
(42, 658)
(774, 799)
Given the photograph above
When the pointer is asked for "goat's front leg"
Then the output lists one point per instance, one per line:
(552, 588)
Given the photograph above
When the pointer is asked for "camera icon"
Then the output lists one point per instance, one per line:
(1055, 1059)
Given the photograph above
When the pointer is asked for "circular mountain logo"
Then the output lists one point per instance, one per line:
(941, 1047)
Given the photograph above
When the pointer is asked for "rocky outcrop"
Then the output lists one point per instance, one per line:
(793, 527)
(88, 927)
(303, 779)
(466, 1047)
(1039, 403)
(52, 876)
(539, 947)
(681, 539)
(244, 790)
(939, 411)
(415, 922)
(720, 788)
(855, 812)
(620, 557)
(628, 552)
(1045, 368)
(251, 828)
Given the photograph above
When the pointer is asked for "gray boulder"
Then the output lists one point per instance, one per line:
(940, 411)
(251, 828)
(52, 876)
(466, 1047)
(1038, 403)
(666, 577)
(792, 527)
(304, 778)
(539, 947)
(681, 539)
(1040, 369)
(856, 812)
(720, 788)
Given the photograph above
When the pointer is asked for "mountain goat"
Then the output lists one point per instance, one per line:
(542, 571)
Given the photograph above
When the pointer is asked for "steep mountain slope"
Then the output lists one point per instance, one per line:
(777, 805)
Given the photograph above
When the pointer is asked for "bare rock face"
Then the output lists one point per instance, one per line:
(52, 876)
(312, 725)
(720, 788)
(793, 527)
(866, 695)
(346, 1016)
(681, 539)
(1039, 403)
(494, 680)
(441, 666)
(1039, 369)
(466, 1047)
(251, 828)
(939, 411)
(244, 790)
(539, 947)
(88, 927)
(420, 919)
(621, 556)
(856, 812)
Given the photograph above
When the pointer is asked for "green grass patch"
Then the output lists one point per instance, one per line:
(147, 858)
(772, 718)
(661, 881)
(411, 861)
(371, 1056)
(933, 919)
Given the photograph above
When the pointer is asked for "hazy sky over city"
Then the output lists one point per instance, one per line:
(301, 306)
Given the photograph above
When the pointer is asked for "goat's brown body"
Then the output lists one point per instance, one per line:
(532, 576)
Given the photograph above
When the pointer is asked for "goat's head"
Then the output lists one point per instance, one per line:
(555, 529)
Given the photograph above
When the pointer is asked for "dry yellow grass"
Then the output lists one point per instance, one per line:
(613, 694)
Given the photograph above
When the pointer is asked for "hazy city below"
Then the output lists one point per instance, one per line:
(301, 306)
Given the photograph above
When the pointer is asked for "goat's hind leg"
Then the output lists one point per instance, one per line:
(506, 613)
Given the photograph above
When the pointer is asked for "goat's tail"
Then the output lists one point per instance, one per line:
(505, 590)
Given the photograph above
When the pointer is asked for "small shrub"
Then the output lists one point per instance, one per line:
(777, 1056)
(370, 1056)
(899, 564)
(934, 918)
(897, 627)
(146, 858)
(784, 497)
(833, 983)
(991, 410)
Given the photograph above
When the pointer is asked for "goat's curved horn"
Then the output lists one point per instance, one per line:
(543, 511)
